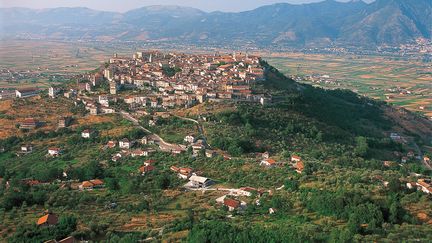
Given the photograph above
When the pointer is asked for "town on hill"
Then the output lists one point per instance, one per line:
(164, 146)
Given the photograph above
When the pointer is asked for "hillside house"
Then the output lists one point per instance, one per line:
(295, 158)
(268, 162)
(53, 92)
(29, 123)
(199, 182)
(26, 93)
(47, 220)
(145, 169)
(64, 121)
(86, 133)
(54, 152)
(125, 143)
(189, 139)
(91, 184)
(210, 153)
(111, 144)
(26, 148)
(299, 167)
(233, 204)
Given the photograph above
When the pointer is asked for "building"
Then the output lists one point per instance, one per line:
(231, 204)
(26, 148)
(47, 220)
(295, 158)
(64, 121)
(299, 167)
(268, 162)
(53, 92)
(113, 88)
(125, 143)
(111, 144)
(29, 123)
(25, 93)
(145, 169)
(54, 152)
(91, 184)
(86, 133)
(189, 139)
(108, 74)
(199, 181)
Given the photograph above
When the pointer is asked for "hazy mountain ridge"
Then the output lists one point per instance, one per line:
(380, 22)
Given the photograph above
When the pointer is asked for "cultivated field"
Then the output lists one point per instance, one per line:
(370, 76)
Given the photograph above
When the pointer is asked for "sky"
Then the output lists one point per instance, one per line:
(125, 5)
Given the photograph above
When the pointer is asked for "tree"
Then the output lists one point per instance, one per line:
(361, 147)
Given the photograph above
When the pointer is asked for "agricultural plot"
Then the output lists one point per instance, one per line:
(406, 83)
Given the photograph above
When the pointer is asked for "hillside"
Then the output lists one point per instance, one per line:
(390, 22)
(345, 191)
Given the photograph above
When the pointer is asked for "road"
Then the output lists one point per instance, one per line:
(163, 145)
(200, 128)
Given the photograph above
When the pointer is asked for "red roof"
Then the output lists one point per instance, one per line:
(231, 203)
(147, 168)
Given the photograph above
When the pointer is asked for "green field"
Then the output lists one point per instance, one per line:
(370, 76)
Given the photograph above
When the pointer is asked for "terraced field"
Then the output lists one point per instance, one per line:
(371, 76)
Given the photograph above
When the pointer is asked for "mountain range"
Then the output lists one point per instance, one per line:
(329, 22)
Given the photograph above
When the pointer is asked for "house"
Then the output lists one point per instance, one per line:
(47, 220)
(139, 153)
(231, 204)
(91, 184)
(210, 153)
(198, 146)
(299, 167)
(272, 210)
(404, 159)
(185, 173)
(25, 93)
(116, 157)
(125, 143)
(144, 140)
(149, 162)
(26, 148)
(268, 162)
(295, 158)
(189, 139)
(145, 169)
(64, 121)
(86, 133)
(94, 110)
(54, 151)
(426, 159)
(199, 181)
(388, 163)
(53, 92)
(425, 185)
(28, 123)
(111, 144)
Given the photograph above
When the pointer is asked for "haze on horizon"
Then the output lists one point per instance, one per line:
(125, 5)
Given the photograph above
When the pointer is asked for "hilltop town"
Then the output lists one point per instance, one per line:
(156, 145)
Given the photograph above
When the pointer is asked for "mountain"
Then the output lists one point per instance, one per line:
(355, 22)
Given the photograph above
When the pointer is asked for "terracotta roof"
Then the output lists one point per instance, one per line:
(86, 184)
(270, 161)
(231, 203)
(97, 182)
(147, 168)
(49, 219)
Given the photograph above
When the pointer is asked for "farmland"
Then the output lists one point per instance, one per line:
(370, 76)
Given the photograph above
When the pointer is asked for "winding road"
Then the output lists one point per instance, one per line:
(163, 145)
